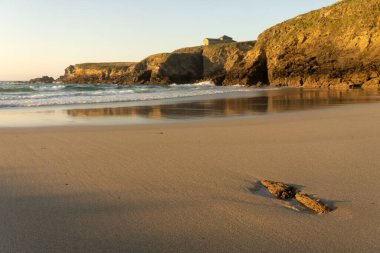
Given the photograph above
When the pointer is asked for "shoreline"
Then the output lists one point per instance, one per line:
(186, 187)
(205, 108)
(212, 121)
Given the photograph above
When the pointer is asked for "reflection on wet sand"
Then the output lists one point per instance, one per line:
(270, 101)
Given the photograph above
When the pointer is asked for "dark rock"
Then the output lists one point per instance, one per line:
(44, 79)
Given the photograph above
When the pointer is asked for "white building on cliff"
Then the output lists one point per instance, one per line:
(223, 39)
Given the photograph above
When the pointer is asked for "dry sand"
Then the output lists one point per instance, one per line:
(186, 187)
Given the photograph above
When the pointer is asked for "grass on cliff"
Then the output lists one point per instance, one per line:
(189, 49)
(347, 14)
(105, 65)
(231, 44)
(216, 46)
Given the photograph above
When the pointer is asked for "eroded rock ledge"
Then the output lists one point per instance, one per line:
(334, 47)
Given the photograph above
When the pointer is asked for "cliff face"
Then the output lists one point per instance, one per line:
(337, 46)
(217, 63)
(95, 72)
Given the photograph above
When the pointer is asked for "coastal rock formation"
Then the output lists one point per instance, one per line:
(95, 72)
(44, 79)
(217, 63)
(226, 63)
(337, 46)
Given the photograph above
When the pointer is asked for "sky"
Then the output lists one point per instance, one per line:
(43, 37)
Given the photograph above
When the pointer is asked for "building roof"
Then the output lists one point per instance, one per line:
(225, 37)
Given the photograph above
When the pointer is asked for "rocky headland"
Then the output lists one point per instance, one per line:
(337, 47)
(218, 63)
(44, 79)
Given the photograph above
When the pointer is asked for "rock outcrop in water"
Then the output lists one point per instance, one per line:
(44, 79)
(337, 46)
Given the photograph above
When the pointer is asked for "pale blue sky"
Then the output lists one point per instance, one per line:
(42, 37)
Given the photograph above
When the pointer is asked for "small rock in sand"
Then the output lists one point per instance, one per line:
(312, 204)
(279, 190)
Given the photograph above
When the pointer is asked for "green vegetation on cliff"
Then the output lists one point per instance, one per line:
(104, 65)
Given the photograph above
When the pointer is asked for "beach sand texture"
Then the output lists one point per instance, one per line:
(192, 187)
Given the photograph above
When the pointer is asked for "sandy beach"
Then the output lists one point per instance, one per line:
(190, 187)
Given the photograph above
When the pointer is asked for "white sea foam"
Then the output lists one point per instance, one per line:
(204, 83)
(27, 95)
(207, 83)
(47, 88)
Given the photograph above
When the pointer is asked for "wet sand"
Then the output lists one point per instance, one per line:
(190, 187)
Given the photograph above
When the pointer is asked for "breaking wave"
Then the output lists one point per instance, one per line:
(15, 94)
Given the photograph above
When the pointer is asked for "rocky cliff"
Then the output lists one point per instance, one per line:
(95, 72)
(217, 63)
(337, 46)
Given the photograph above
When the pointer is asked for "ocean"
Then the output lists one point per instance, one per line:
(34, 105)
(15, 94)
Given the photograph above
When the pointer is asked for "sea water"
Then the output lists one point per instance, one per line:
(15, 94)
(29, 105)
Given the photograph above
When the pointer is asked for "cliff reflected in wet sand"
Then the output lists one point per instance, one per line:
(269, 101)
